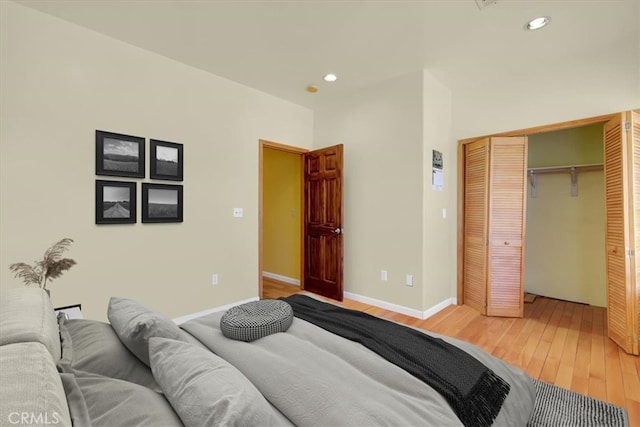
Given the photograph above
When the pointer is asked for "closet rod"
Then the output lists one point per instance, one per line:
(569, 169)
(573, 170)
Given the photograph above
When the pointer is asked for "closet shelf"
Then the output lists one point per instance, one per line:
(567, 169)
(572, 169)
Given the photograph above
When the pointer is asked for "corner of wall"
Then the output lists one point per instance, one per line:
(439, 202)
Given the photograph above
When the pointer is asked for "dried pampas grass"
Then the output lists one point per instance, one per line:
(50, 267)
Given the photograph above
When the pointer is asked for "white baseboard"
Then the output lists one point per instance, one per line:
(367, 300)
(284, 279)
(441, 306)
(182, 319)
(402, 309)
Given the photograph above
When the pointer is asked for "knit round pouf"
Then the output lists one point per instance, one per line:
(257, 319)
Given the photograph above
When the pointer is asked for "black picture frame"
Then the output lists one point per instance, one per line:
(120, 155)
(73, 311)
(166, 160)
(161, 203)
(116, 202)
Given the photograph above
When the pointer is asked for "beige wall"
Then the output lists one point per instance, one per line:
(59, 84)
(565, 248)
(392, 218)
(588, 88)
(438, 241)
(282, 177)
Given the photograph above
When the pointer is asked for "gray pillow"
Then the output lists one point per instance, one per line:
(96, 401)
(30, 384)
(93, 346)
(26, 315)
(206, 390)
(135, 323)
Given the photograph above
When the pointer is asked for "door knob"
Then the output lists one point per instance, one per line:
(337, 231)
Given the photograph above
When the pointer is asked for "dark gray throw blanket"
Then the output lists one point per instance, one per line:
(474, 392)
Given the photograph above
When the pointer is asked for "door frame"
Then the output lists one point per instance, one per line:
(262, 144)
(461, 172)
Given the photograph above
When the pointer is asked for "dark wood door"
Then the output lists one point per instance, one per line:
(323, 222)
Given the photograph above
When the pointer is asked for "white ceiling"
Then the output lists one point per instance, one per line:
(280, 47)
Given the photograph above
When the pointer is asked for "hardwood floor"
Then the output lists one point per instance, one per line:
(559, 342)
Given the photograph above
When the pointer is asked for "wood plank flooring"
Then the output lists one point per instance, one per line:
(559, 342)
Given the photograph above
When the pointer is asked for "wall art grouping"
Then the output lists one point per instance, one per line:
(122, 155)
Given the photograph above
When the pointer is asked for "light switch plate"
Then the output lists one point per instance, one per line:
(409, 281)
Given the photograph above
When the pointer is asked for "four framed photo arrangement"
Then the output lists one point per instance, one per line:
(120, 155)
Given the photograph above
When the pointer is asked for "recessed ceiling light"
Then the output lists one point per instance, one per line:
(537, 23)
(330, 77)
(312, 89)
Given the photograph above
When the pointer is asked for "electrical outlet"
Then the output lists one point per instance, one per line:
(409, 281)
(238, 213)
(383, 275)
(214, 279)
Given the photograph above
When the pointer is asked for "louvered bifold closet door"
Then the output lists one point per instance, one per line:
(476, 181)
(634, 119)
(619, 213)
(507, 199)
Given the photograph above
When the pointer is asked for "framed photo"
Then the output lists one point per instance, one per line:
(119, 155)
(115, 202)
(161, 203)
(166, 160)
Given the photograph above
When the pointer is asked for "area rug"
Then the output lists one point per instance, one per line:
(556, 407)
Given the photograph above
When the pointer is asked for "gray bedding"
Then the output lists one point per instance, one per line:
(316, 378)
(304, 376)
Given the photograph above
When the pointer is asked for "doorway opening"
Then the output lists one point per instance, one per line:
(281, 203)
(319, 216)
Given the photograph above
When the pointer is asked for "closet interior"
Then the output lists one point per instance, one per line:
(565, 217)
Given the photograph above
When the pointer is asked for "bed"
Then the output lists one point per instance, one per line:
(141, 369)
